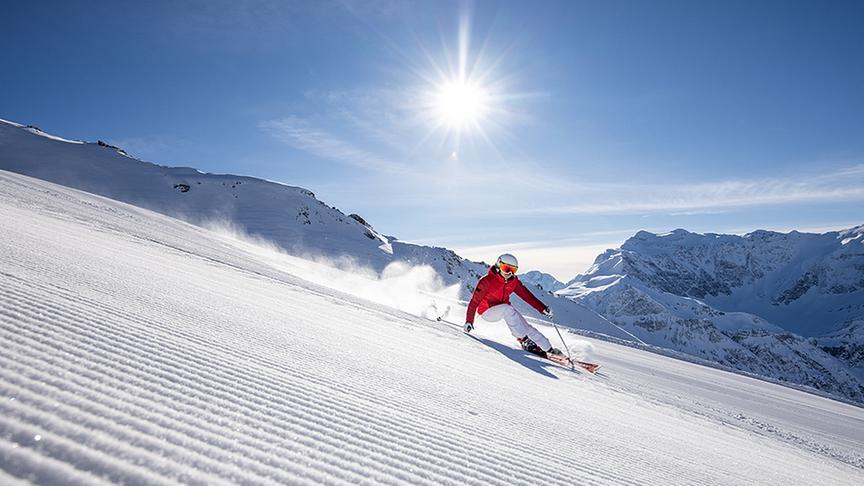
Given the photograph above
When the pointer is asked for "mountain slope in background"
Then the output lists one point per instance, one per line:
(139, 349)
(542, 281)
(738, 300)
(847, 345)
(290, 217)
(806, 283)
(295, 220)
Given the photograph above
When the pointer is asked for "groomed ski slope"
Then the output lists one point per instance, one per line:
(135, 349)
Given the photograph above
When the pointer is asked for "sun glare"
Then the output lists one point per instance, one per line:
(459, 104)
(465, 102)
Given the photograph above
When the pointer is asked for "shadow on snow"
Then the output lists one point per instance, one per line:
(536, 364)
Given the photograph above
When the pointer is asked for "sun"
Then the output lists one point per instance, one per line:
(465, 100)
(460, 104)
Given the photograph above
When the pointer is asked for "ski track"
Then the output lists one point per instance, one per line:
(759, 420)
(98, 352)
(140, 350)
(229, 397)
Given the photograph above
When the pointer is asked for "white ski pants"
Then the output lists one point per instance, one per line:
(519, 327)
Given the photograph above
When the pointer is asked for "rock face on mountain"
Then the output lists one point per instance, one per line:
(742, 301)
(847, 345)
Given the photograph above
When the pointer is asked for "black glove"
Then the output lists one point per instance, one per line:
(468, 327)
(547, 312)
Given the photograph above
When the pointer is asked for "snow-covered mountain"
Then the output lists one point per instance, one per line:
(542, 281)
(847, 345)
(139, 349)
(737, 300)
(806, 283)
(292, 218)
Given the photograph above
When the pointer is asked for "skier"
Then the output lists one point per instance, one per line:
(491, 300)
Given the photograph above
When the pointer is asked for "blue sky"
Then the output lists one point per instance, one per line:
(576, 124)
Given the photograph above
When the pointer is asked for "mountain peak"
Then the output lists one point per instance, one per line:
(854, 233)
(541, 280)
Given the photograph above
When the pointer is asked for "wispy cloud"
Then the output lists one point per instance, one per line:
(297, 133)
(384, 115)
(841, 185)
(540, 190)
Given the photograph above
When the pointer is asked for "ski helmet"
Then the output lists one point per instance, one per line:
(507, 263)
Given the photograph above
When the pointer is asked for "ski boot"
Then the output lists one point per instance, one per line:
(531, 346)
(555, 352)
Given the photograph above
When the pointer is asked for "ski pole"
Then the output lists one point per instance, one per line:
(563, 342)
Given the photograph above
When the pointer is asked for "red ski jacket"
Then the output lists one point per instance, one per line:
(492, 290)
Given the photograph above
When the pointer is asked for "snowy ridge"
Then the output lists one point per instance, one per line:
(38, 131)
(289, 216)
(141, 349)
(705, 295)
(542, 281)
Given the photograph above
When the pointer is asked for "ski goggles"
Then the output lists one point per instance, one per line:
(505, 268)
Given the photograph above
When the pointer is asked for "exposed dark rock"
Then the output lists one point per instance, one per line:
(804, 284)
(356, 217)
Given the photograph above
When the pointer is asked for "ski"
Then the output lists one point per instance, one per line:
(560, 358)
(589, 367)
(563, 360)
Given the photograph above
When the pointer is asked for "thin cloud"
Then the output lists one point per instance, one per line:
(385, 115)
(842, 185)
(297, 133)
(852, 171)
